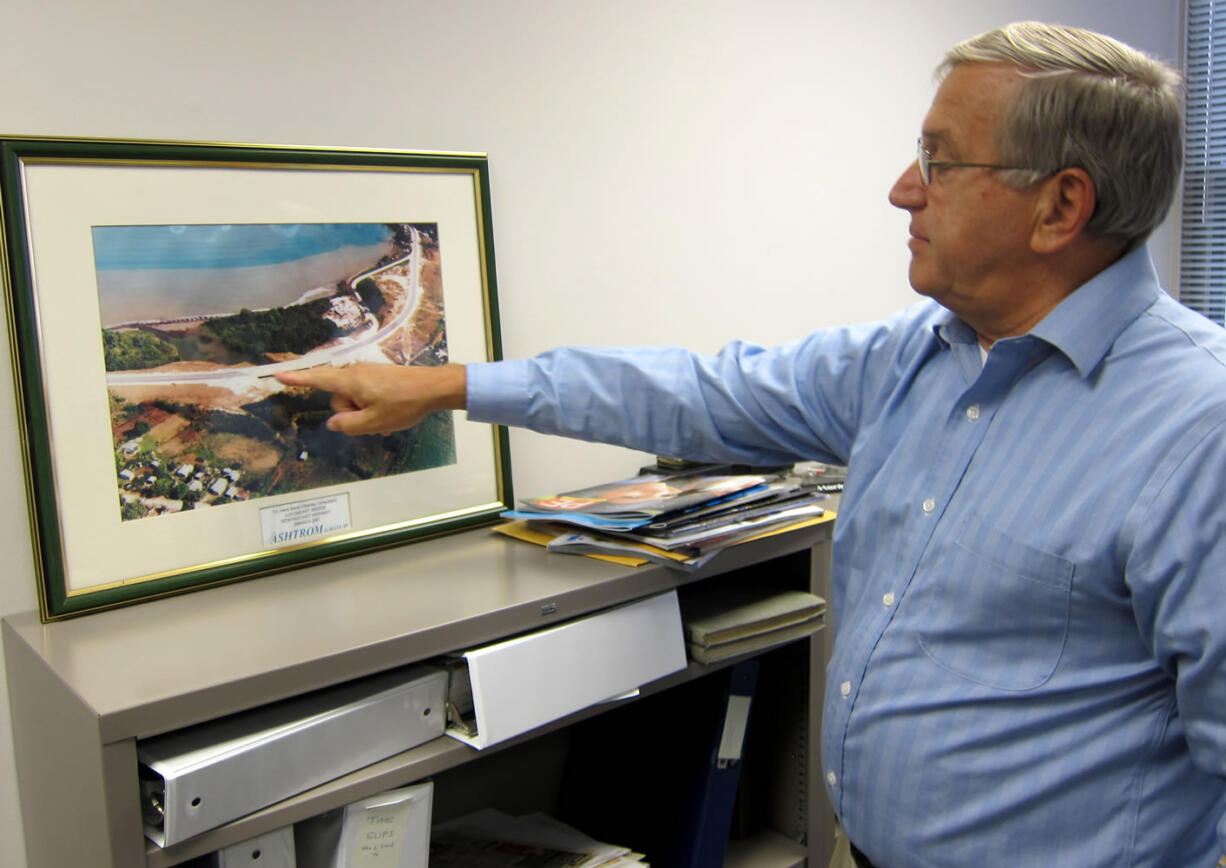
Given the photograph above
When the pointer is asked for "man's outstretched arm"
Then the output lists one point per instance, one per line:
(379, 399)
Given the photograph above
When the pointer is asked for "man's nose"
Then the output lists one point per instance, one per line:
(909, 191)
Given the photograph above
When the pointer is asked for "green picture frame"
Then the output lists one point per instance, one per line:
(152, 290)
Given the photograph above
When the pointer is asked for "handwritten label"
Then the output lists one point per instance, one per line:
(304, 520)
(380, 836)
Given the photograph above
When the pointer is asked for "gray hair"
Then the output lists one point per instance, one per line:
(1094, 103)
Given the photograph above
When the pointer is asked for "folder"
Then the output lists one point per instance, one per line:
(391, 830)
(717, 614)
(271, 850)
(758, 642)
(195, 779)
(530, 680)
(724, 621)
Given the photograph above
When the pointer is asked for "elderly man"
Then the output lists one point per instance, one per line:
(1030, 555)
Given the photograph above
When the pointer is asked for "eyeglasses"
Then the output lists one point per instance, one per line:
(926, 164)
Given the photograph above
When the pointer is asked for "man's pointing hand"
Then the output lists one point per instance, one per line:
(379, 399)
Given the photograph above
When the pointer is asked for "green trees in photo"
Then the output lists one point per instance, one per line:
(134, 350)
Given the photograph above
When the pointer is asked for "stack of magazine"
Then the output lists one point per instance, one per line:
(679, 518)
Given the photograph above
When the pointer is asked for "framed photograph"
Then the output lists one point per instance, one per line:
(154, 289)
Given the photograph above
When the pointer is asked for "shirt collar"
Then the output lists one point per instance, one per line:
(1085, 324)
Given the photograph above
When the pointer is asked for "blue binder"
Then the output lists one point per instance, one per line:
(710, 817)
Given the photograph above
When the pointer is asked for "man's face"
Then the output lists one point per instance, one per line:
(970, 233)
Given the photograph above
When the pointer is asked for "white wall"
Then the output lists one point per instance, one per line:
(680, 171)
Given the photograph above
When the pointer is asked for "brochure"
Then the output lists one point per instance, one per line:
(644, 498)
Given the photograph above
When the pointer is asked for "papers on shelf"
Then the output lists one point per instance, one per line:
(591, 543)
(541, 533)
(647, 497)
(711, 510)
(492, 839)
(631, 552)
(737, 530)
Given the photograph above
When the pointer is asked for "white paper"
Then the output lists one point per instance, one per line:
(735, 720)
(390, 830)
(379, 835)
(304, 520)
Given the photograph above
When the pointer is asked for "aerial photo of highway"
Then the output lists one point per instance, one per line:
(196, 320)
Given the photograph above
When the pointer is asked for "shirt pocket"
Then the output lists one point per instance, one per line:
(993, 609)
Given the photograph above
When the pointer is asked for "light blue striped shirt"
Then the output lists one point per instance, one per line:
(1030, 560)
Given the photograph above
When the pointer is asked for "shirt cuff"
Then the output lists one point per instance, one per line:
(497, 391)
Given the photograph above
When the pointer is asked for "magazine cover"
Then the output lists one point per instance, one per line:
(649, 495)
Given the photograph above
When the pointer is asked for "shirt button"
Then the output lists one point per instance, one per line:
(832, 779)
(845, 688)
(888, 599)
(929, 505)
(972, 412)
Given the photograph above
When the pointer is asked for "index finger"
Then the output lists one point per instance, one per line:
(324, 377)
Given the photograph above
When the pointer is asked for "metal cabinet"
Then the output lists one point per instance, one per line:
(84, 691)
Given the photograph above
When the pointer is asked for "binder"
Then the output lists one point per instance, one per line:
(271, 850)
(391, 830)
(195, 779)
(525, 682)
(710, 814)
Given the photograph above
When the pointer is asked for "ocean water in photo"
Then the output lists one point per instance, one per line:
(164, 272)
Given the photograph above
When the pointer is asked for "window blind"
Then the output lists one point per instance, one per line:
(1202, 260)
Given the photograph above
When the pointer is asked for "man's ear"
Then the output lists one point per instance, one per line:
(1064, 206)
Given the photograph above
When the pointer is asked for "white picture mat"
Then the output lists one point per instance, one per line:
(63, 200)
